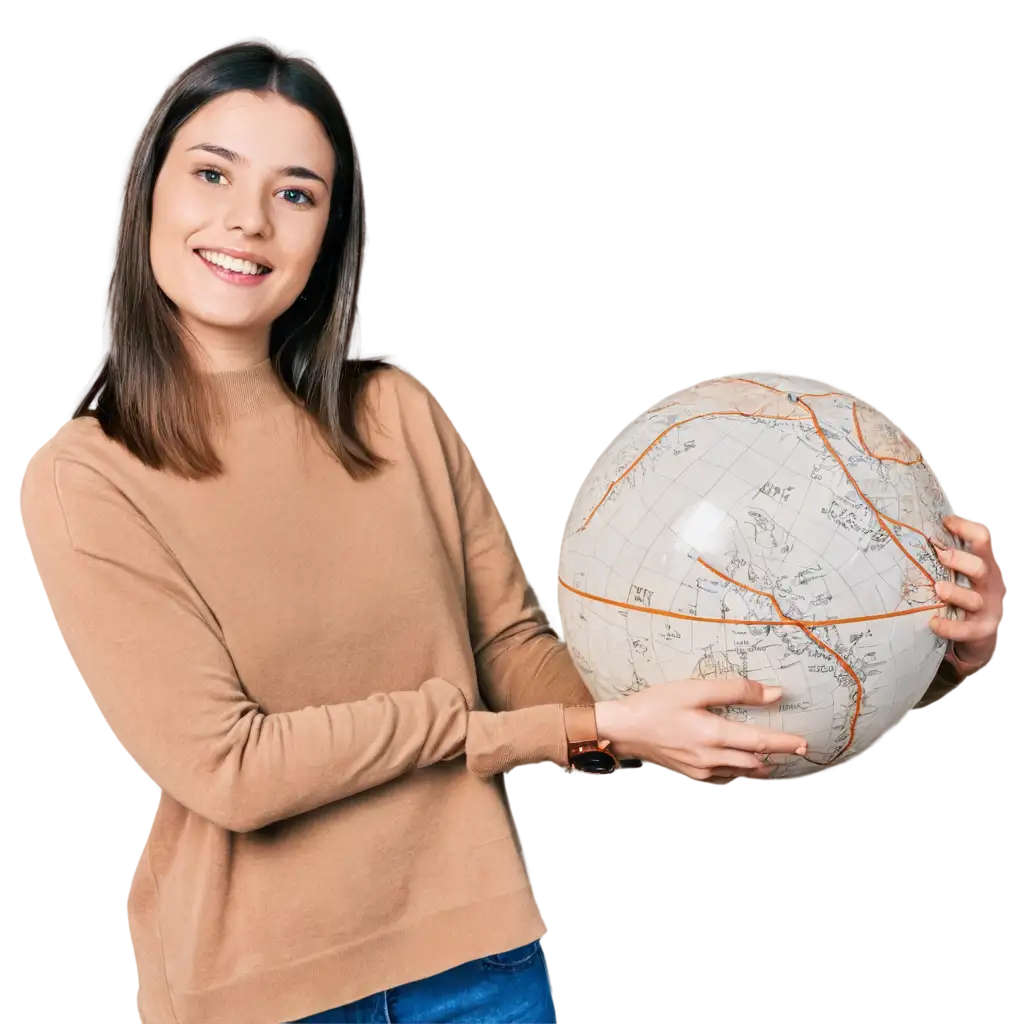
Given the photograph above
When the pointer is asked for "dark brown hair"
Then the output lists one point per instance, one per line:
(148, 394)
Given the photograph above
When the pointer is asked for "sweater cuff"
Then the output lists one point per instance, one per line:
(963, 669)
(498, 741)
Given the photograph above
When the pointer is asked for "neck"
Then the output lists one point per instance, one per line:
(217, 351)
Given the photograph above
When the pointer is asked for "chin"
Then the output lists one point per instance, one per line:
(224, 319)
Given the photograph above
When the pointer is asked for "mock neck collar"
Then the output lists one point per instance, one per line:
(252, 391)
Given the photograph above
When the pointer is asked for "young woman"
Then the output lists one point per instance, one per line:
(287, 587)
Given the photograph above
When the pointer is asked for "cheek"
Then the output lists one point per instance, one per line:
(175, 219)
(299, 246)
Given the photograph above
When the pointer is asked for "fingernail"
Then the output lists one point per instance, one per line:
(772, 692)
(938, 544)
(802, 750)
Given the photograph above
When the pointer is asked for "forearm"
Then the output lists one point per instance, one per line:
(299, 760)
(189, 726)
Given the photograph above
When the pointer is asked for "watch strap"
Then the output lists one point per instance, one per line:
(581, 723)
(581, 734)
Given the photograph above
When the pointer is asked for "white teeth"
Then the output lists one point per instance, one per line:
(230, 262)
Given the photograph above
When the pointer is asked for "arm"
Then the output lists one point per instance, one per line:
(521, 662)
(155, 660)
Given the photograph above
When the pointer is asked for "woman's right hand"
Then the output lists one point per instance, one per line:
(670, 724)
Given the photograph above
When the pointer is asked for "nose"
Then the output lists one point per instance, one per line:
(247, 210)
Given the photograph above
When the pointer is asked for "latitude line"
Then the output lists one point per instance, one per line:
(785, 621)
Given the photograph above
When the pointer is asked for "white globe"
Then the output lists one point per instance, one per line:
(769, 527)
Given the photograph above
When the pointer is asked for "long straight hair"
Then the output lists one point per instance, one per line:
(148, 394)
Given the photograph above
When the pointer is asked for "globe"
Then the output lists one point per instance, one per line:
(768, 527)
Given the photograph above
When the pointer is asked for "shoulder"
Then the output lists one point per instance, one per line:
(399, 384)
(413, 419)
(395, 394)
(78, 458)
(78, 440)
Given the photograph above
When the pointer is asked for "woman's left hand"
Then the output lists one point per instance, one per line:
(974, 637)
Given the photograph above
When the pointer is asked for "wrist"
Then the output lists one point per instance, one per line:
(590, 747)
(611, 718)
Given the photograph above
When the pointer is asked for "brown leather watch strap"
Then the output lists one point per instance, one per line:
(580, 723)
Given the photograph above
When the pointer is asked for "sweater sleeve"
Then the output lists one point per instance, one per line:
(154, 658)
(520, 660)
(949, 675)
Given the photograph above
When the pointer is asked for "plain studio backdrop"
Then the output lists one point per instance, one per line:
(559, 228)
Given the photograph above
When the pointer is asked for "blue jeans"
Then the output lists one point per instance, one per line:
(506, 988)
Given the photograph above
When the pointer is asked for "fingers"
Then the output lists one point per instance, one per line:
(735, 747)
(725, 758)
(977, 564)
(969, 600)
(743, 737)
(720, 775)
(975, 534)
(717, 692)
(975, 630)
(971, 565)
(760, 772)
(985, 548)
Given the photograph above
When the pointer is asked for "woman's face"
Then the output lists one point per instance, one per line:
(247, 175)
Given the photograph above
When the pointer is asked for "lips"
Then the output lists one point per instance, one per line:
(223, 258)
(236, 277)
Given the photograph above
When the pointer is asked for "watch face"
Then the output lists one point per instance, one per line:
(598, 761)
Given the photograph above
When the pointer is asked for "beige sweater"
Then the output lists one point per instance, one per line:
(326, 679)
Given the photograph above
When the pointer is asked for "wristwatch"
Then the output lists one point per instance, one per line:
(588, 753)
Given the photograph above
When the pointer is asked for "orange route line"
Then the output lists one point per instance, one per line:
(843, 467)
(821, 643)
(867, 501)
(882, 522)
(803, 624)
(906, 526)
(786, 621)
(881, 458)
(629, 469)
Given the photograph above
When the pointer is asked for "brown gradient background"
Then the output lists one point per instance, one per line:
(558, 229)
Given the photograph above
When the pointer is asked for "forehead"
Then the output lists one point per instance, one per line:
(264, 128)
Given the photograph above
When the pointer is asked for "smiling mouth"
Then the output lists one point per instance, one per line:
(231, 264)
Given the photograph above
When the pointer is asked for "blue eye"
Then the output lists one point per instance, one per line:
(209, 170)
(300, 192)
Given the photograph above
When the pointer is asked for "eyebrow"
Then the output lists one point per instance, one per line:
(294, 171)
